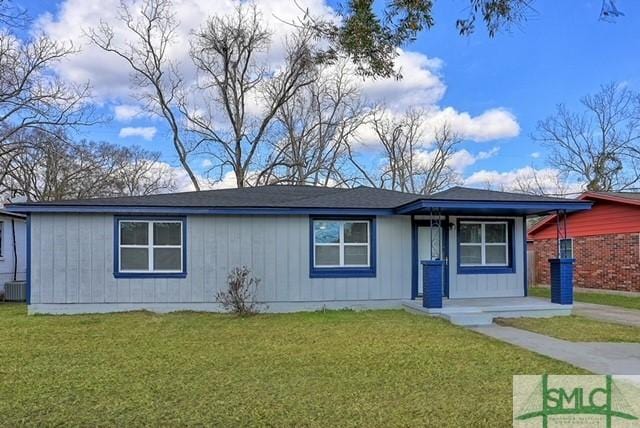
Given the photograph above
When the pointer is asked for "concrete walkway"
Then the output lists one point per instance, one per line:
(597, 357)
(606, 313)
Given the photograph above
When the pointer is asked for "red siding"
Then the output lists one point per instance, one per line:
(603, 219)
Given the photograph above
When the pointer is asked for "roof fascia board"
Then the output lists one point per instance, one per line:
(622, 200)
(194, 210)
(13, 215)
(542, 206)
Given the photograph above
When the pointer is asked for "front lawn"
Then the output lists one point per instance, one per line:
(378, 368)
(576, 329)
(630, 302)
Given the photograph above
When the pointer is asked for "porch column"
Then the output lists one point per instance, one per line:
(561, 281)
(432, 271)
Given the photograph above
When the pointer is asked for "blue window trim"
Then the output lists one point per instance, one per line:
(116, 247)
(346, 272)
(470, 270)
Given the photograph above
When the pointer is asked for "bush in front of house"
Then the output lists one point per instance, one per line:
(240, 295)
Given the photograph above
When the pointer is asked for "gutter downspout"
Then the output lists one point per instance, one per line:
(15, 253)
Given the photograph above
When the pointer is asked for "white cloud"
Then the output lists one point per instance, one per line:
(490, 125)
(422, 87)
(127, 112)
(547, 180)
(110, 75)
(462, 159)
(146, 132)
(535, 155)
(207, 163)
(228, 181)
(420, 84)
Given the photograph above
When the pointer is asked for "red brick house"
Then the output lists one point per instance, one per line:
(604, 241)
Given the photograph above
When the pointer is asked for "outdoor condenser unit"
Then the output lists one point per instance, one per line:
(15, 291)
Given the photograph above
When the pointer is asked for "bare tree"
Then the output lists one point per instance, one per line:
(11, 15)
(143, 173)
(600, 144)
(247, 93)
(410, 163)
(46, 167)
(31, 95)
(546, 182)
(151, 31)
(316, 125)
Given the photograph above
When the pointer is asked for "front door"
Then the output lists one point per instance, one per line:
(431, 246)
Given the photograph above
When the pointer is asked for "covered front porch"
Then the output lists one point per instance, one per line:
(469, 256)
(482, 311)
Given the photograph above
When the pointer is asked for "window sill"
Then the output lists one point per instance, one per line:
(474, 270)
(342, 273)
(150, 275)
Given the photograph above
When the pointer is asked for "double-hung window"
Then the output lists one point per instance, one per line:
(342, 247)
(484, 244)
(150, 247)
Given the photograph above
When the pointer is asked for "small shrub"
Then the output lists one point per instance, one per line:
(240, 296)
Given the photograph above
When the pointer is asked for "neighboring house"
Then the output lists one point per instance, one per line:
(311, 247)
(13, 248)
(604, 241)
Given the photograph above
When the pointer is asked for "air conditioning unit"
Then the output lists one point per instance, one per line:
(15, 291)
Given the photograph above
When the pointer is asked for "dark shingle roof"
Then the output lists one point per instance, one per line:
(458, 193)
(276, 196)
(626, 195)
(285, 196)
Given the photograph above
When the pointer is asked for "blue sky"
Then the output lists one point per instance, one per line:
(560, 54)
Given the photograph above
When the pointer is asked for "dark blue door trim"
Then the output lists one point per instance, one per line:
(415, 224)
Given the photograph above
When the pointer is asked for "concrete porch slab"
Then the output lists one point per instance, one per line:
(476, 312)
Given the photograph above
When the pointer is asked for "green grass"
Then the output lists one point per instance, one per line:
(376, 368)
(576, 329)
(630, 302)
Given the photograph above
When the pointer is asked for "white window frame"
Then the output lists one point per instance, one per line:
(150, 246)
(560, 248)
(342, 244)
(483, 244)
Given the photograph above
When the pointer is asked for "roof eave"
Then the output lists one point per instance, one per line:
(12, 214)
(612, 198)
(515, 207)
(160, 210)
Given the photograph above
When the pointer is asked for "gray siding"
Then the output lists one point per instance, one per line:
(487, 285)
(72, 262)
